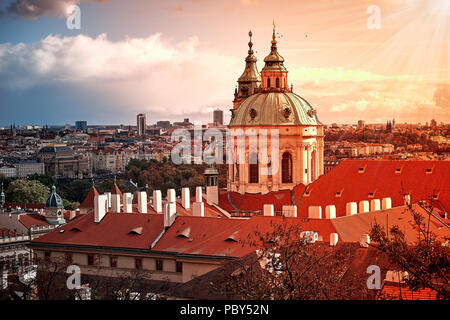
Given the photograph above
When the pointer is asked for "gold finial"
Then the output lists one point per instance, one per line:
(273, 34)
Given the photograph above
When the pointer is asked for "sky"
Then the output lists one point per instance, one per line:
(179, 59)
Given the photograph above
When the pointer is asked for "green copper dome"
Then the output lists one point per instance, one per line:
(54, 200)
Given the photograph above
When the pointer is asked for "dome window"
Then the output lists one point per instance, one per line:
(253, 113)
(286, 112)
(277, 82)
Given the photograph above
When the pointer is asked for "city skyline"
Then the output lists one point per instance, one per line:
(162, 61)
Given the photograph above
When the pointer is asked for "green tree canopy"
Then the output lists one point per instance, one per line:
(27, 191)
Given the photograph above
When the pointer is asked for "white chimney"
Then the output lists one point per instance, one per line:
(169, 213)
(375, 204)
(364, 206)
(386, 203)
(351, 208)
(330, 211)
(186, 198)
(108, 194)
(406, 199)
(127, 203)
(171, 195)
(315, 212)
(157, 201)
(269, 210)
(212, 195)
(198, 209)
(100, 207)
(198, 194)
(364, 241)
(115, 203)
(142, 202)
(289, 211)
(72, 214)
(333, 239)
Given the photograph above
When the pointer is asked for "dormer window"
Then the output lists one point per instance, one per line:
(429, 171)
(398, 170)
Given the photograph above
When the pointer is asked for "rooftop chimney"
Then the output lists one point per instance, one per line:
(169, 214)
(100, 207)
(315, 212)
(406, 199)
(375, 204)
(386, 203)
(186, 198)
(330, 212)
(198, 194)
(333, 239)
(364, 206)
(142, 202)
(269, 210)
(157, 201)
(289, 211)
(171, 195)
(72, 214)
(351, 208)
(364, 241)
(115, 203)
(127, 203)
(212, 195)
(108, 194)
(198, 209)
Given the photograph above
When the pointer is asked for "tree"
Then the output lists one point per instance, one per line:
(426, 261)
(25, 191)
(289, 267)
(45, 179)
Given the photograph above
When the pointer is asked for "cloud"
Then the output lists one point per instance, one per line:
(33, 9)
(135, 74)
(442, 96)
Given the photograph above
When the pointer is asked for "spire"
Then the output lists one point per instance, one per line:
(274, 74)
(250, 78)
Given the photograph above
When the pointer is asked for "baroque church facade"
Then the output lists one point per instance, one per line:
(264, 104)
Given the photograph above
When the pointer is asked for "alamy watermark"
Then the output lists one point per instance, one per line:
(73, 20)
(374, 20)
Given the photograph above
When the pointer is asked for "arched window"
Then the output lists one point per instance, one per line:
(268, 82)
(277, 82)
(253, 169)
(286, 168)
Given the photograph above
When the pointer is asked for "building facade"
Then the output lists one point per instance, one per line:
(141, 124)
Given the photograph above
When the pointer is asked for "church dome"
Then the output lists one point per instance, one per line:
(274, 108)
(54, 200)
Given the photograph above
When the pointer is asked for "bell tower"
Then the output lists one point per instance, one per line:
(250, 79)
(274, 74)
(54, 209)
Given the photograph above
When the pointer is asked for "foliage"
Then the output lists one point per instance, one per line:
(45, 179)
(74, 191)
(427, 260)
(26, 191)
(68, 205)
(290, 268)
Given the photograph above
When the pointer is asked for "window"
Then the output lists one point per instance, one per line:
(68, 257)
(286, 168)
(253, 169)
(138, 263)
(90, 260)
(159, 265)
(179, 266)
(277, 82)
(268, 82)
(47, 255)
(113, 261)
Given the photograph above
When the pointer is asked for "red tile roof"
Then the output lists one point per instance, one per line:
(23, 205)
(34, 219)
(112, 231)
(396, 291)
(88, 202)
(378, 177)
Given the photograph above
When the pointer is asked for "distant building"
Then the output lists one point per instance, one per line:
(141, 124)
(361, 124)
(8, 171)
(81, 125)
(218, 117)
(29, 167)
(433, 123)
(60, 161)
(163, 124)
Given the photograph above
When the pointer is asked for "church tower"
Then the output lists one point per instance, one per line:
(250, 79)
(54, 208)
(295, 155)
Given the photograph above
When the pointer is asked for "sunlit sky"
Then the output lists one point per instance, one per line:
(180, 59)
